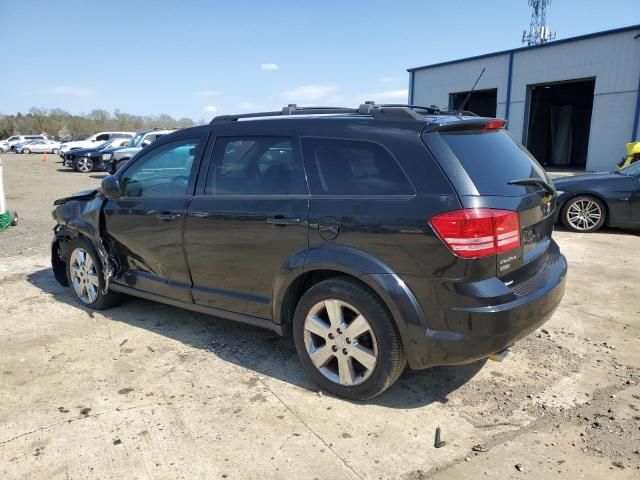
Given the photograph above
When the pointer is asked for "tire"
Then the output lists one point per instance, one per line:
(86, 279)
(54, 151)
(376, 342)
(584, 214)
(83, 165)
(26, 150)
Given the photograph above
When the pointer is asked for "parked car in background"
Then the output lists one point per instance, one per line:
(39, 146)
(18, 145)
(88, 159)
(93, 141)
(4, 146)
(588, 202)
(117, 157)
(374, 236)
(23, 138)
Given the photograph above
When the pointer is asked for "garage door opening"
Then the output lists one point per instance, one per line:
(481, 102)
(559, 122)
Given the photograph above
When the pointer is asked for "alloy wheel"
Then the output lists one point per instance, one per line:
(85, 165)
(340, 342)
(584, 214)
(84, 276)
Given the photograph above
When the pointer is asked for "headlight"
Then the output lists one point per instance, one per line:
(106, 156)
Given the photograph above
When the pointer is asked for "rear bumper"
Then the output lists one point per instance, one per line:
(480, 331)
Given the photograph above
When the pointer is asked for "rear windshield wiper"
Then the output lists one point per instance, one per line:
(535, 181)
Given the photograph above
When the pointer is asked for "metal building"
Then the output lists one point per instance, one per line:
(574, 102)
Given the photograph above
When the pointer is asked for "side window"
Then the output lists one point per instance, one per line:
(162, 172)
(102, 138)
(352, 167)
(255, 166)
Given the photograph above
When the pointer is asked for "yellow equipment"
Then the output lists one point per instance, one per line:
(633, 156)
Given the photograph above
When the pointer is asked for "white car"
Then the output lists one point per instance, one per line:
(4, 146)
(40, 146)
(11, 141)
(94, 141)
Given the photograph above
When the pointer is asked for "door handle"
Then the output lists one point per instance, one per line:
(168, 216)
(280, 221)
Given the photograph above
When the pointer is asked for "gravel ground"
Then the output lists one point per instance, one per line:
(150, 391)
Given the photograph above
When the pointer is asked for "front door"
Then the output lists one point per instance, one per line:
(144, 226)
(248, 223)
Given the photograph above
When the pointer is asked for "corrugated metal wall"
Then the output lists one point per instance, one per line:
(612, 59)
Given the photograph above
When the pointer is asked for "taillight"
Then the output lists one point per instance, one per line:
(478, 232)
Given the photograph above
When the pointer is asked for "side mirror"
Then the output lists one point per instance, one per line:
(111, 187)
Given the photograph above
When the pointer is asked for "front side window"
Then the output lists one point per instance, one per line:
(353, 167)
(162, 172)
(255, 166)
(102, 138)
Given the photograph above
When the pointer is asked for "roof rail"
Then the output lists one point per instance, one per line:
(385, 111)
(291, 109)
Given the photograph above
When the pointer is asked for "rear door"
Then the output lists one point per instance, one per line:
(481, 162)
(249, 219)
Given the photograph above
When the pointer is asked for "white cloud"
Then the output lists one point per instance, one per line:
(392, 96)
(306, 93)
(269, 67)
(210, 109)
(207, 93)
(71, 91)
(388, 79)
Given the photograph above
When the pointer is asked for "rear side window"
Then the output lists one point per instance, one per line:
(352, 167)
(492, 159)
(255, 166)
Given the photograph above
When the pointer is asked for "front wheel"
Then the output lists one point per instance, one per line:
(84, 164)
(84, 273)
(26, 150)
(584, 214)
(54, 151)
(347, 340)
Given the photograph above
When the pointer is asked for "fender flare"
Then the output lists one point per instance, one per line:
(387, 285)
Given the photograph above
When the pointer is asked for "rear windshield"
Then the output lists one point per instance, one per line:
(492, 159)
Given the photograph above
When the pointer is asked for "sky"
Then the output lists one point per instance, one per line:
(198, 59)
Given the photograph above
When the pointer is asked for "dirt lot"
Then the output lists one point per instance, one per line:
(149, 391)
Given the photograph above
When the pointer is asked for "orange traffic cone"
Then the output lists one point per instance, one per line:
(44, 157)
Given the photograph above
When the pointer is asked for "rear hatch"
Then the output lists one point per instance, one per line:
(495, 175)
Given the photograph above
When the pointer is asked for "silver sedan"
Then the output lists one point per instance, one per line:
(40, 146)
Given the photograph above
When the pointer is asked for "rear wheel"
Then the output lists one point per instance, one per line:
(84, 273)
(346, 339)
(584, 214)
(84, 164)
(26, 150)
(54, 151)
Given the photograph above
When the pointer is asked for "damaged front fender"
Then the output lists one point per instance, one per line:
(80, 215)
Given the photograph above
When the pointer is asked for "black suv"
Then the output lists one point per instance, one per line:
(375, 236)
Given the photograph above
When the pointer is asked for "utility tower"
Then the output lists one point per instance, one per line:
(538, 31)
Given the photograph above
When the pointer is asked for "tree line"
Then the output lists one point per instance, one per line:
(59, 124)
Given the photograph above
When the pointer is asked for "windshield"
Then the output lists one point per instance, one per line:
(631, 170)
(108, 144)
(135, 140)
